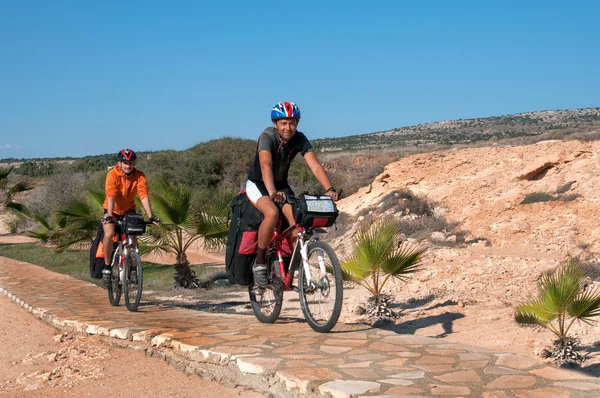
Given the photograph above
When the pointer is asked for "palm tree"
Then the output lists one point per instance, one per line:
(180, 227)
(563, 298)
(8, 191)
(378, 256)
(74, 225)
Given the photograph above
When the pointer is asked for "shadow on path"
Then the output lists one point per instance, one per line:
(410, 327)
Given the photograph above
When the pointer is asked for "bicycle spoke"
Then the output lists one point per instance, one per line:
(321, 296)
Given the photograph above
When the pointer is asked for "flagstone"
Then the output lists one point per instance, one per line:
(403, 390)
(434, 360)
(345, 343)
(435, 368)
(498, 370)
(299, 378)
(512, 382)
(578, 385)
(473, 356)
(365, 364)
(463, 376)
(300, 364)
(257, 365)
(542, 393)
(515, 361)
(561, 374)
(348, 388)
(332, 361)
(303, 356)
(495, 394)
(410, 375)
(367, 357)
(361, 373)
(439, 389)
(393, 362)
(387, 347)
(472, 364)
(398, 382)
(334, 350)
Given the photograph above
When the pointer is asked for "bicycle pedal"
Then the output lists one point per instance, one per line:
(295, 288)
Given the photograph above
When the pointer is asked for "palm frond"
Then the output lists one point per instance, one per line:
(212, 225)
(20, 186)
(586, 306)
(171, 202)
(4, 173)
(96, 199)
(559, 288)
(534, 309)
(406, 259)
(353, 271)
(373, 244)
(528, 319)
(19, 208)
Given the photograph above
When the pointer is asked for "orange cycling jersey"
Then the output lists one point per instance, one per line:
(124, 188)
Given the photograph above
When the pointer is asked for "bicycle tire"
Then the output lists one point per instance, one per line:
(309, 297)
(133, 281)
(114, 287)
(274, 301)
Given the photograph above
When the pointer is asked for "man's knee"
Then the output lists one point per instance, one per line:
(271, 214)
(109, 233)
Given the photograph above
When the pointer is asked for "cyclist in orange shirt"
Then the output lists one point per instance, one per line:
(123, 183)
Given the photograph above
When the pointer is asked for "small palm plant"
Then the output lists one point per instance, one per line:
(8, 191)
(378, 256)
(72, 226)
(180, 227)
(563, 298)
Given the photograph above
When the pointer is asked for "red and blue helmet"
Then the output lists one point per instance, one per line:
(285, 110)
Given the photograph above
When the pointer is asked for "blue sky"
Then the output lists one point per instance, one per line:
(82, 78)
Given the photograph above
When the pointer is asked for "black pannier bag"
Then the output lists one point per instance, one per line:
(97, 254)
(242, 238)
(314, 211)
(133, 224)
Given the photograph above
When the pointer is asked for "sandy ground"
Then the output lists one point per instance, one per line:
(38, 361)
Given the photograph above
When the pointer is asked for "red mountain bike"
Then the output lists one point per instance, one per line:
(319, 273)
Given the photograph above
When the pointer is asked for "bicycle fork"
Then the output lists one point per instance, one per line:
(320, 259)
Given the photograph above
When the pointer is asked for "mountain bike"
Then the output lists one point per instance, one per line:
(319, 273)
(126, 264)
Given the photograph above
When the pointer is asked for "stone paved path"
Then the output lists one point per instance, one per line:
(353, 361)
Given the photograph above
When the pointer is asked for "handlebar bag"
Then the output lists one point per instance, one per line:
(314, 211)
(133, 224)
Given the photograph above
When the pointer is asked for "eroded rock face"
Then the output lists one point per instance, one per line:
(508, 243)
(481, 189)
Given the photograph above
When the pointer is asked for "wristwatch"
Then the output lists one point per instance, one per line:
(331, 189)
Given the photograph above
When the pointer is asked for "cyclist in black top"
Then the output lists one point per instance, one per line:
(267, 178)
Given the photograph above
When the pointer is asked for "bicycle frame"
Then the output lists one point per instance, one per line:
(300, 248)
(122, 250)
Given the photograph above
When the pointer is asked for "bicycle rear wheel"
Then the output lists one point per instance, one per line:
(133, 281)
(266, 302)
(114, 287)
(321, 296)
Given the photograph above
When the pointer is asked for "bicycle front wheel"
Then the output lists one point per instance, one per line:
(114, 287)
(133, 281)
(321, 292)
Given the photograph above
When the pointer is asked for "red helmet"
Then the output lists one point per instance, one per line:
(126, 155)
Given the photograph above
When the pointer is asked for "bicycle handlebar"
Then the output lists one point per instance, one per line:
(290, 198)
